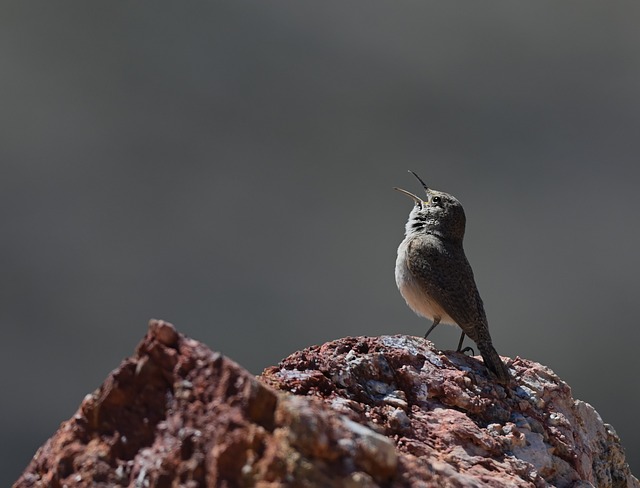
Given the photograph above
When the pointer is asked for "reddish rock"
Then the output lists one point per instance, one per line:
(452, 424)
(357, 412)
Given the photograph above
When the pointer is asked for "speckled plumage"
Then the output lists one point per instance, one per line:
(434, 276)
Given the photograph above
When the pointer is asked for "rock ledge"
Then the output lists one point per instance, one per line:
(357, 412)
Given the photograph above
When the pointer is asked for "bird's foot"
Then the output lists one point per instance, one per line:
(468, 349)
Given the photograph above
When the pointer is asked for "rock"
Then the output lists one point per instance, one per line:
(451, 423)
(356, 412)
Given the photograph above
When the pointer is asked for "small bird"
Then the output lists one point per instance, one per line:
(434, 276)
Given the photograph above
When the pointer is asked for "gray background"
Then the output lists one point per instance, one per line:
(228, 166)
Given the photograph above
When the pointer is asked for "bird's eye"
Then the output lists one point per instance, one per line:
(435, 199)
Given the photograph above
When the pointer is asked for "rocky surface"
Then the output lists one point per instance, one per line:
(358, 412)
(451, 423)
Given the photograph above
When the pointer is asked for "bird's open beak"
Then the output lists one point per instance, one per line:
(418, 201)
(424, 185)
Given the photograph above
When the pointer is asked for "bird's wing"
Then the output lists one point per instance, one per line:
(446, 275)
(448, 278)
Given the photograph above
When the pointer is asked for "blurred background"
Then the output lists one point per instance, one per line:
(228, 166)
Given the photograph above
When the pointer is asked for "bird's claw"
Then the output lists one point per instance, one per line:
(468, 349)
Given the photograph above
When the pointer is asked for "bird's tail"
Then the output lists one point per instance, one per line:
(493, 361)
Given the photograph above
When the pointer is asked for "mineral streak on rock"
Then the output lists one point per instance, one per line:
(389, 411)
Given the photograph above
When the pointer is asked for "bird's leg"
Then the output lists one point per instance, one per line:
(436, 321)
(466, 349)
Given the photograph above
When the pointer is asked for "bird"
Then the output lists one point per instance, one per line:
(434, 276)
